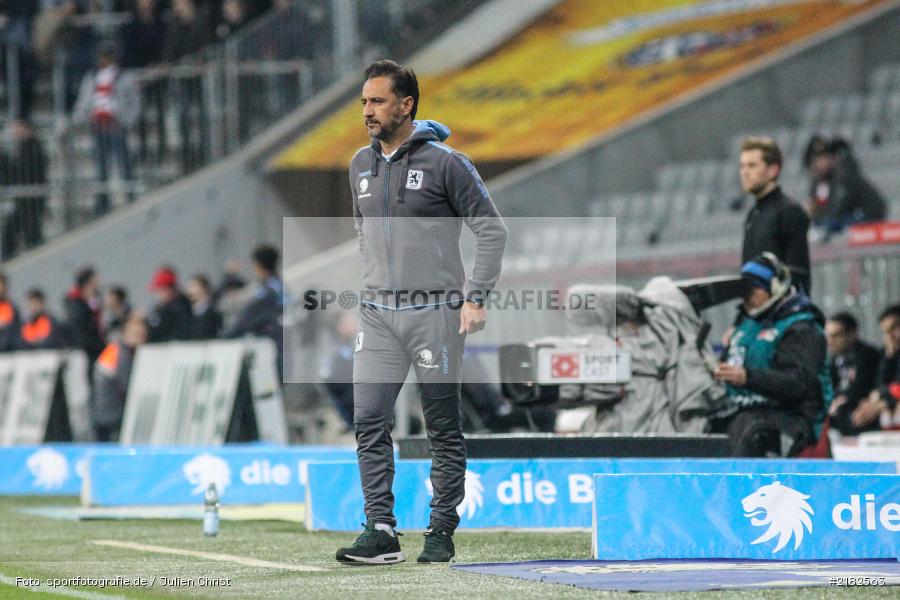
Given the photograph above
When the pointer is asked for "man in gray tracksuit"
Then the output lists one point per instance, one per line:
(411, 194)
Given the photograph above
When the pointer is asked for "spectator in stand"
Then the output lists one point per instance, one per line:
(188, 32)
(231, 293)
(16, 17)
(112, 372)
(839, 193)
(879, 409)
(143, 36)
(854, 365)
(207, 321)
(171, 318)
(109, 102)
(142, 47)
(775, 368)
(293, 38)
(233, 16)
(83, 315)
(9, 318)
(776, 223)
(40, 331)
(79, 42)
(262, 315)
(117, 309)
(24, 165)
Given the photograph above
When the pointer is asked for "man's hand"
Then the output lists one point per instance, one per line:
(726, 337)
(471, 318)
(732, 374)
(838, 402)
(868, 410)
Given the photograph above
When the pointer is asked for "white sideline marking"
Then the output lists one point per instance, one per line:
(62, 591)
(241, 560)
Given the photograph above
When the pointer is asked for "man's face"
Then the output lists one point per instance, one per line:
(164, 294)
(21, 130)
(890, 331)
(135, 333)
(383, 111)
(34, 306)
(756, 297)
(111, 302)
(839, 339)
(91, 287)
(195, 291)
(755, 173)
(822, 165)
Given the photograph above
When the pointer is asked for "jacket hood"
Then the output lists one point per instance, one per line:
(424, 131)
(427, 129)
(796, 301)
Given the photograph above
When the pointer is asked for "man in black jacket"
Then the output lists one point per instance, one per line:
(40, 331)
(9, 319)
(83, 315)
(25, 165)
(171, 318)
(775, 366)
(776, 223)
(854, 365)
(262, 316)
(839, 193)
(879, 410)
(207, 319)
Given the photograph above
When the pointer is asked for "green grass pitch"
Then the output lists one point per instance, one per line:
(38, 547)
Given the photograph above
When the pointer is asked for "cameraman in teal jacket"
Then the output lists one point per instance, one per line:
(775, 366)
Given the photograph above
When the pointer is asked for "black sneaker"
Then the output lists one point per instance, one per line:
(438, 546)
(373, 547)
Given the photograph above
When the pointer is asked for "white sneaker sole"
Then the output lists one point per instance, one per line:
(381, 559)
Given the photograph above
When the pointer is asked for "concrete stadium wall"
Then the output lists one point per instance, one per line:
(701, 126)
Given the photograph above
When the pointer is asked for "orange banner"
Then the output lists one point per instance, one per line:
(582, 69)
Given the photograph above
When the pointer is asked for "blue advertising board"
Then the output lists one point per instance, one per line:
(46, 470)
(535, 493)
(56, 469)
(252, 475)
(759, 516)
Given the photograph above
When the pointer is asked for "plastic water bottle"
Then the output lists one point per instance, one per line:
(211, 511)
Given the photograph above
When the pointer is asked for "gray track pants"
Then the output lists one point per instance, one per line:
(387, 343)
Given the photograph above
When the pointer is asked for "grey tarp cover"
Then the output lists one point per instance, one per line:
(671, 388)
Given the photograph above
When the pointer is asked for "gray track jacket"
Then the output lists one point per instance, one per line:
(408, 214)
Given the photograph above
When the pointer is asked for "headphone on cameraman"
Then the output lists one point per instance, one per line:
(767, 267)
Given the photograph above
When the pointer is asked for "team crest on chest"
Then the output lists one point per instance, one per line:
(414, 179)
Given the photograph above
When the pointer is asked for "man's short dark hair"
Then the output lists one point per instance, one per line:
(890, 311)
(35, 294)
(84, 275)
(203, 281)
(403, 79)
(119, 292)
(847, 321)
(266, 257)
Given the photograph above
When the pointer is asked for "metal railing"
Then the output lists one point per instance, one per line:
(193, 112)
